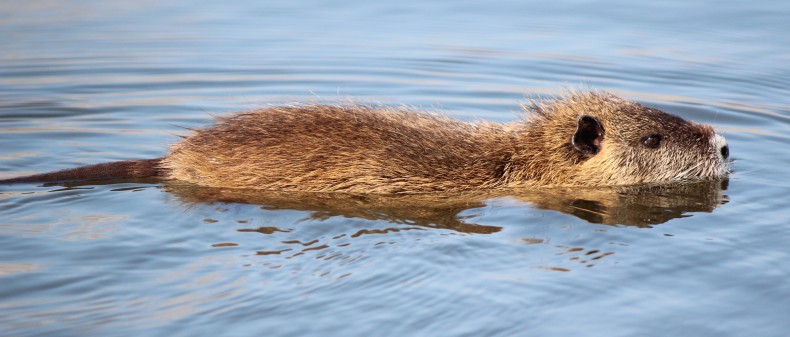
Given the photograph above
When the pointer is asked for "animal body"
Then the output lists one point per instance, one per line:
(582, 139)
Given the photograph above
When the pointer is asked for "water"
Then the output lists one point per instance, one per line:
(93, 81)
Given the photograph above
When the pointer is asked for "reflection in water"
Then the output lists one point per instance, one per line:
(640, 206)
(434, 210)
(632, 206)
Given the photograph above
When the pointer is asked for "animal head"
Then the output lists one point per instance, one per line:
(601, 139)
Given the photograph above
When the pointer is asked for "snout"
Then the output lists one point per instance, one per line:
(723, 153)
(720, 144)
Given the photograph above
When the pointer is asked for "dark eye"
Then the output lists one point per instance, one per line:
(652, 141)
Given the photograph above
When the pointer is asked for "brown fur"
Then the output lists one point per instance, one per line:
(126, 169)
(363, 149)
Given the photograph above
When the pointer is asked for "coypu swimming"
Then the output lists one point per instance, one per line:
(583, 139)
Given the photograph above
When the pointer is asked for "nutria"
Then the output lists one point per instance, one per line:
(582, 139)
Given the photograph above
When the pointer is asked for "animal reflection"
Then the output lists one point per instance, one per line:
(641, 206)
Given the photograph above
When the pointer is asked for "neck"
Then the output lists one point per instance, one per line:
(539, 159)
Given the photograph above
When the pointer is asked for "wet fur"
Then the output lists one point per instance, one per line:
(365, 149)
(127, 169)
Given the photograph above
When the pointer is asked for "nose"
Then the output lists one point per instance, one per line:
(720, 143)
(725, 152)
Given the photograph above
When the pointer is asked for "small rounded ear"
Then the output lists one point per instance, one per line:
(588, 136)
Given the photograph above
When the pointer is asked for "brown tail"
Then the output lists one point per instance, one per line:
(127, 169)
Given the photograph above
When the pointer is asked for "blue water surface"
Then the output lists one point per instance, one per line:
(85, 82)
